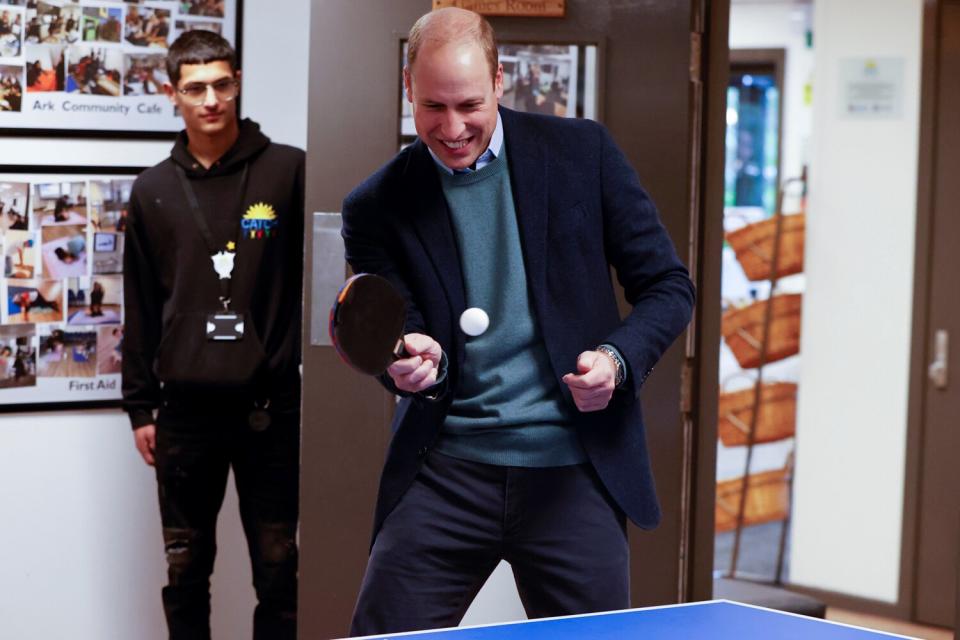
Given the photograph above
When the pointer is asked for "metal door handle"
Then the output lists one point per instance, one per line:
(938, 368)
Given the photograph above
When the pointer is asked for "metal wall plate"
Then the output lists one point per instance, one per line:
(329, 272)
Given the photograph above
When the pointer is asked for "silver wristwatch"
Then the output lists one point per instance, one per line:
(616, 361)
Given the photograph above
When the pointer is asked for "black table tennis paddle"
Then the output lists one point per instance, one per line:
(366, 323)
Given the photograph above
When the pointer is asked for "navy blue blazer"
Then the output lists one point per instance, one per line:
(580, 208)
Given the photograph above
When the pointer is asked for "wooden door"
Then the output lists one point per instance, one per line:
(652, 98)
(938, 506)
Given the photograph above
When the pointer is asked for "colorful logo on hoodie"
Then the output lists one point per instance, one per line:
(260, 221)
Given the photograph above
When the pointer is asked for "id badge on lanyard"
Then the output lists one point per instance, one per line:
(223, 325)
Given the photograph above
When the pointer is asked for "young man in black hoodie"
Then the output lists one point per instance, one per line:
(213, 268)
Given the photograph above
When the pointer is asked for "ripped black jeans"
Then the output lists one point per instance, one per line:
(197, 443)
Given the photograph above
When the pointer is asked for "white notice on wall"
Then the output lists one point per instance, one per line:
(871, 88)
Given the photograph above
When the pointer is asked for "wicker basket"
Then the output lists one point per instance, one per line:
(768, 499)
(742, 330)
(776, 420)
(753, 245)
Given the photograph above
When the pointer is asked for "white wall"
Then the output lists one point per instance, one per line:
(81, 549)
(856, 315)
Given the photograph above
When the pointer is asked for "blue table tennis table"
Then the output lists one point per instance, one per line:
(714, 620)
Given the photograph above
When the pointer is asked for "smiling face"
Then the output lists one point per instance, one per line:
(454, 100)
(213, 116)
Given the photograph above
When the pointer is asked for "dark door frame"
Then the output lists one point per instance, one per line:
(923, 278)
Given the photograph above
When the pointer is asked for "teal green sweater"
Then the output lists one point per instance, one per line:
(508, 409)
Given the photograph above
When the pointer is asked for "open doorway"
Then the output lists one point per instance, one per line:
(843, 518)
(764, 179)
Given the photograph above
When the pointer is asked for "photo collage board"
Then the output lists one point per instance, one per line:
(96, 65)
(61, 321)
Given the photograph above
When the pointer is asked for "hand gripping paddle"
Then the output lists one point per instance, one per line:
(366, 323)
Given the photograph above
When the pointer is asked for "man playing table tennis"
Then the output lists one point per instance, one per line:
(524, 443)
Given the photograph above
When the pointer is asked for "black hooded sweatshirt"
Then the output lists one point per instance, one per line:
(170, 286)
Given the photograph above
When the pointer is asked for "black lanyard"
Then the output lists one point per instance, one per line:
(205, 229)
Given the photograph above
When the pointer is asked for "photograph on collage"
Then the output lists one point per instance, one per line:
(11, 87)
(144, 74)
(11, 32)
(45, 68)
(147, 27)
(63, 251)
(207, 8)
(184, 25)
(107, 252)
(13, 205)
(109, 350)
(33, 301)
(53, 22)
(19, 254)
(94, 70)
(58, 203)
(18, 356)
(67, 353)
(102, 24)
(109, 200)
(540, 78)
(96, 300)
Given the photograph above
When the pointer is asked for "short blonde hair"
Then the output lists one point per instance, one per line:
(454, 25)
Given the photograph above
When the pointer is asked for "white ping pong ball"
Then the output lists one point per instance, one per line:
(474, 321)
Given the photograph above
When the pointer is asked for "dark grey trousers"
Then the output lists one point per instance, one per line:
(558, 528)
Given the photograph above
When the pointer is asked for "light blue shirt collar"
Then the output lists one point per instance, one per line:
(488, 156)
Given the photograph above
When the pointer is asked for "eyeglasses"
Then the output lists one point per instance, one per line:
(196, 93)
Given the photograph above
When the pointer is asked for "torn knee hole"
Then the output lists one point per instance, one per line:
(179, 545)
